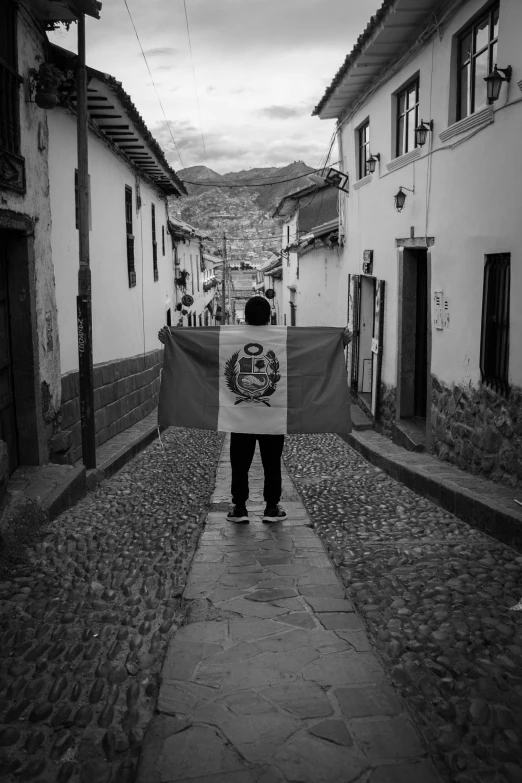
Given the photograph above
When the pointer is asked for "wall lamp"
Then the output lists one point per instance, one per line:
(372, 162)
(400, 197)
(494, 81)
(421, 132)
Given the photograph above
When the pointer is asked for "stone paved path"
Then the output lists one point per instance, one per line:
(276, 679)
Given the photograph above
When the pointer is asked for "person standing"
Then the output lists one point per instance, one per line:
(243, 445)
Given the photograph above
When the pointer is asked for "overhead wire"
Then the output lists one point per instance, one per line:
(154, 84)
(195, 83)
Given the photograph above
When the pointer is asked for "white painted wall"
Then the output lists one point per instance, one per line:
(290, 266)
(467, 196)
(125, 320)
(322, 288)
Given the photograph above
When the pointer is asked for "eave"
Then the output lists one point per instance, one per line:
(53, 11)
(388, 34)
(114, 115)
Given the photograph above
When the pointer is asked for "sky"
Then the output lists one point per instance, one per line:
(260, 67)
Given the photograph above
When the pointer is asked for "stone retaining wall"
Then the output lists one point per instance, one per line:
(479, 430)
(125, 391)
(386, 413)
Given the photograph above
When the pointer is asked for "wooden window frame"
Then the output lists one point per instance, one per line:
(131, 268)
(472, 58)
(494, 338)
(363, 149)
(163, 240)
(154, 243)
(405, 114)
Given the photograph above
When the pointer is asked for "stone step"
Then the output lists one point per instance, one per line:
(360, 420)
(409, 434)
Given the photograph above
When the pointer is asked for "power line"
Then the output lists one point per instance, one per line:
(153, 84)
(195, 84)
(211, 184)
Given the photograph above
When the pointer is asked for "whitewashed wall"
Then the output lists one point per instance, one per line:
(322, 288)
(467, 197)
(125, 320)
(189, 257)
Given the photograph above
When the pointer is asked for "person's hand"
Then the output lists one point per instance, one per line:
(162, 334)
(347, 336)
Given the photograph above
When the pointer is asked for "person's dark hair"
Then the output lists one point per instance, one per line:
(257, 311)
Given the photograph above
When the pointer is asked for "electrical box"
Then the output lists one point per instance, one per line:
(367, 262)
(437, 310)
(445, 312)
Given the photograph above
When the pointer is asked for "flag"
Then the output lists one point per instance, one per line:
(259, 379)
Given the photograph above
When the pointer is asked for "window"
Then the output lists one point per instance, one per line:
(77, 201)
(163, 240)
(169, 317)
(407, 118)
(9, 80)
(476, 56)
(363, 148)
(494, 343)
(131, 269)
(154, 243)
(197, 268)
(192, 274)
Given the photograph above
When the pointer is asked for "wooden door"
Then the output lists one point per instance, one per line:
(421, 337)
(8, 431)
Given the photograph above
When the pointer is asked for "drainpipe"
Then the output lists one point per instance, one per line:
(83, 300)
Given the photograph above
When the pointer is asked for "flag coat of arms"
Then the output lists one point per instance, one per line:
(267, 380)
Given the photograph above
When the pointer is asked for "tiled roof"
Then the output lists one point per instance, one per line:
(357, 49)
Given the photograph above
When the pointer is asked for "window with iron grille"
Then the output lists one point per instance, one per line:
(130, 238)
(476, 56)
(9, 80)
(494, 343)
(407, 118)
(163, 240)
(363, 149)
(154, 243)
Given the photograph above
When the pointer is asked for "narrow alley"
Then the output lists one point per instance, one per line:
(90, 694)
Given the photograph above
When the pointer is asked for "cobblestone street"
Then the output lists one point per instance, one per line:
(85, 620)
(435, 596)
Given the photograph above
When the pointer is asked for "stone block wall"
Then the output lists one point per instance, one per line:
(479, 430)
(386, 413)
(125, 391)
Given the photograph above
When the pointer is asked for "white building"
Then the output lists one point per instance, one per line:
(314, 283)
(29, 335)
(196, 285)
(434, 287)
(131, 254)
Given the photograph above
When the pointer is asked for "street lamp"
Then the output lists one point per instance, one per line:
(372, 162)
(400, 197)
(494, 81)
(421, 131)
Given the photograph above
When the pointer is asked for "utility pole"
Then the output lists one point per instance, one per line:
(223, 282)
(83, 300)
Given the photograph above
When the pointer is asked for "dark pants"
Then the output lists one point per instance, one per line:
(242, 448)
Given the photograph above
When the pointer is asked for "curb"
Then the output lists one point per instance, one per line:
(482, 504)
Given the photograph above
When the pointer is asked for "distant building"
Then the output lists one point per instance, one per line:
(195, 277)
(432, 226)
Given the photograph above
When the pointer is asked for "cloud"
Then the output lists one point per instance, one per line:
(160, 51)
(282, 112)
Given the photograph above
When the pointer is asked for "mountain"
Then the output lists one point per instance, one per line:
(267, 196)
(243, 213)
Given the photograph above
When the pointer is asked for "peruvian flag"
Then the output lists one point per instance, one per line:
(267, 380)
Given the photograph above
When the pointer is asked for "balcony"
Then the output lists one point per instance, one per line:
(12, 165)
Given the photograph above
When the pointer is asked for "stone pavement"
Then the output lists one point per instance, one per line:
(275, 680)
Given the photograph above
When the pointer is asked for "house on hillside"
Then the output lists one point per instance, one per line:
(195, 280)
(30, 343)
(130, 254)
(314, 286)
(429, 113)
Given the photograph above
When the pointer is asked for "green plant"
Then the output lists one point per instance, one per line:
(182, 279)
(49, 78)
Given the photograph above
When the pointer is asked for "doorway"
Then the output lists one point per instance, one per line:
(366, 333)
(8, 430)
(413, 336)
